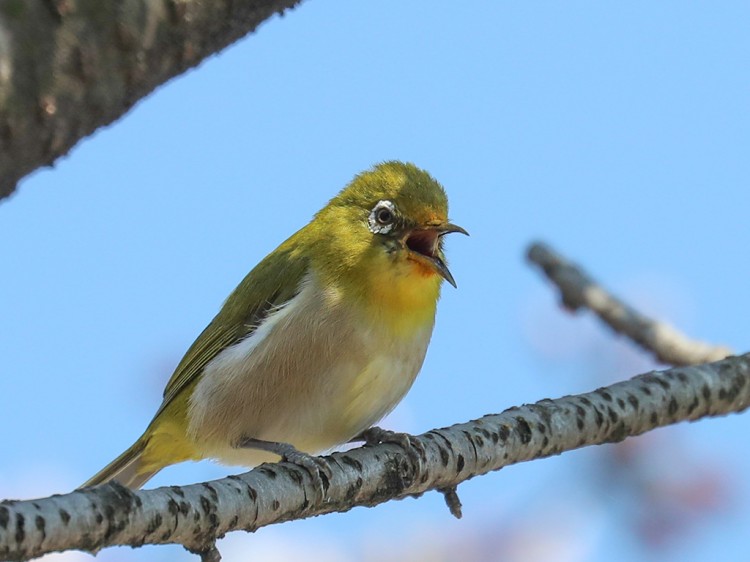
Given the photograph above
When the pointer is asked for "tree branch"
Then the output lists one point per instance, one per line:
(196, 515)
(578, 290)
(68, 67)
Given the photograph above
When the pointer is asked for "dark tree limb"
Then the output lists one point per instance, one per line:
(69, 67)
(578, 290)
(195, 516)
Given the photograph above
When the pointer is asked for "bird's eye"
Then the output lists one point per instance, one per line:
(382, 217)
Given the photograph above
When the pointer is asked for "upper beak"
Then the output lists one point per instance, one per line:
(424, 244)
(448, 227)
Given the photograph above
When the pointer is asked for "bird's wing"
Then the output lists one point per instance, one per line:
(271, 284)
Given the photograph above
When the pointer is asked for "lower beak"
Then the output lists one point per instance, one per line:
(443, 270)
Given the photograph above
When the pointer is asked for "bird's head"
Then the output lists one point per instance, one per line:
(388, 224)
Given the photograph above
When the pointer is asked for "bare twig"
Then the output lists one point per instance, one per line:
(210, 554)
(195, 516)
(452, 500)
(578, 290)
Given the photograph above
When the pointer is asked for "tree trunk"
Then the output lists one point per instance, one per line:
(68, 67)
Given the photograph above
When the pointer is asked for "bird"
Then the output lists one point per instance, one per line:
(317, 343)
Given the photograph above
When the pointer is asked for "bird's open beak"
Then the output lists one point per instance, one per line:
(423, 244)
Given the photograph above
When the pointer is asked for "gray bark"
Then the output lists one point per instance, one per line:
(195, 516)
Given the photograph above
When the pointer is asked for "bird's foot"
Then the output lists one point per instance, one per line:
(413, 447)
(317, 467)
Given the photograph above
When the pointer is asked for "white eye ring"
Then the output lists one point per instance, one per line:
(382, 217)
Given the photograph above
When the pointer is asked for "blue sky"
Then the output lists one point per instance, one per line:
(619, 133)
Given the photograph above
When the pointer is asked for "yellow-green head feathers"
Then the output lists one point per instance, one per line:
(384, 227)
(417, 195)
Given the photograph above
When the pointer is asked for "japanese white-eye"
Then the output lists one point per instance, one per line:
(318, 342)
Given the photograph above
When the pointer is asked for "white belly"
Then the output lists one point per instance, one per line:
(314, 374)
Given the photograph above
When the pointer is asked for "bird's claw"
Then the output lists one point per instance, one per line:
(318, 468)
(413, 447)
(310, 462)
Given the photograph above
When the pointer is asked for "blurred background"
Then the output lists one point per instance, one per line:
(617, 132)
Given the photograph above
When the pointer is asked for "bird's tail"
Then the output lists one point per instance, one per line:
(127, 469)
